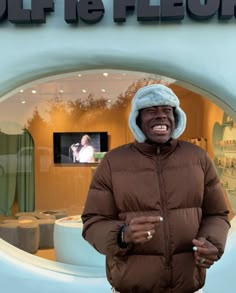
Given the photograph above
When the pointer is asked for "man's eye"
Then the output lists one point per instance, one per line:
(168, 110)
(149, 110)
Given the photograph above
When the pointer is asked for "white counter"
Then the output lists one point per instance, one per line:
(70, 246)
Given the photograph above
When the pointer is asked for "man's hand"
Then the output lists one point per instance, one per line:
(141, 229)
(205, 252)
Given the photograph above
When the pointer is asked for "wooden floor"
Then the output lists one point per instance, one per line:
(46, 253)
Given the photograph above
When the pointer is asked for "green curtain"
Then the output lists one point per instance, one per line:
(16, 172)
(8, 171)
(25, 187)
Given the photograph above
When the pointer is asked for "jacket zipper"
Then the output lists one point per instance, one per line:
(165, 217)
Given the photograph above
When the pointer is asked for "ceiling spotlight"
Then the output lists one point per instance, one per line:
(22, 102)
(84, 91)
(21, 91)
(79, 75)
(103, 90)
(109, 101)
(105, 74)
(61, 91)
(33, 91)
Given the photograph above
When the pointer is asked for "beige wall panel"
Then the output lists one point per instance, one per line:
(66, 186)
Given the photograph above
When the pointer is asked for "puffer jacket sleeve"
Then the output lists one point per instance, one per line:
(215, 223)
(101, 224)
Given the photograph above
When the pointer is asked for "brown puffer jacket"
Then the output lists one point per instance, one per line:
(179, 183)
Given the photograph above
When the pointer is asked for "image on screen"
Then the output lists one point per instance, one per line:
(79, 147)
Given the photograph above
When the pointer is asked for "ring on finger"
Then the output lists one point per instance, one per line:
(149, 235)
(202, 260)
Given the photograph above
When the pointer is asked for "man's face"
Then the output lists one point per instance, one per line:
(157, 123)
(84, 140)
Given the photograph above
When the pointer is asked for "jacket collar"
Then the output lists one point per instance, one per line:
(154, 149)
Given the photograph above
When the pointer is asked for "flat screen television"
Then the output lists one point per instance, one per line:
(79, 147)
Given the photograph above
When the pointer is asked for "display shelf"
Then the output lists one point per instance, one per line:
(228, 124)
(230, 190)
(229, 176)
(224, 146)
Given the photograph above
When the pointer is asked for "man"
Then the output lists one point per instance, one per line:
(86, 153)
(83, 152)
(155, 207)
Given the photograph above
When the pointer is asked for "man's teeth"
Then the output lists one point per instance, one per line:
(160, 127)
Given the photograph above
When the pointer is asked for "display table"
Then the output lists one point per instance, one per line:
(70, 247)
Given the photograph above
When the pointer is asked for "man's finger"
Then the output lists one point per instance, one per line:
(204, 247)
(199, 242)
(212, 251)
(154, 219)
(146, 219)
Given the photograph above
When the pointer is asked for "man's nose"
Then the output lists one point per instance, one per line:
(160, 114)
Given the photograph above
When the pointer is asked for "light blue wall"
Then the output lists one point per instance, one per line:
(201, 55)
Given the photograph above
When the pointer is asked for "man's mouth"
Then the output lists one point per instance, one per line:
(160, 128)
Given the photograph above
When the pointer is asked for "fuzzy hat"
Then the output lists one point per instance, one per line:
(155, 95)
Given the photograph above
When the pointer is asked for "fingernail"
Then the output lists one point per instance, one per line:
(194, 248)
(161, 219)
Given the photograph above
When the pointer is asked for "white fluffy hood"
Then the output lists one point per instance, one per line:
(156, 95)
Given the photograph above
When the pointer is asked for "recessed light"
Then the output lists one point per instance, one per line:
(105, 74)
(61, 91)
(108, 101)
(21, 91)
(103, 90)
(79, 75)
(84, 91)
(22, 102)
(33, 91)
